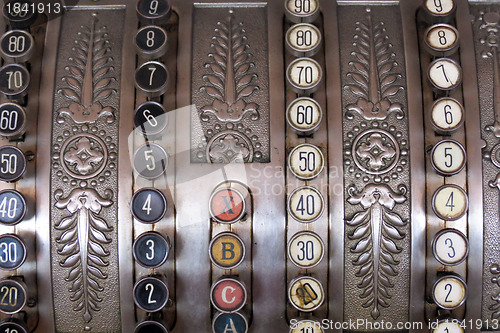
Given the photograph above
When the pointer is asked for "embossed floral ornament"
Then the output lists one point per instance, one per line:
(87, 84)
(229, 80)
(81, 244)
(229, 148)
(376, 151)
(376, 228)
(373, 75)
(83, 157)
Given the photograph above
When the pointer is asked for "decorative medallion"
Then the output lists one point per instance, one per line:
(375, 152)
(84, 156)
(230, 90)
(229, 147)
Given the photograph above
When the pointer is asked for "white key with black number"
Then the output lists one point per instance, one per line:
(302, 10)
(306, 204)
(448, 157)
(441, 40)
(444, 74)
(449, 292)
(447, 115)
(439, 10)
(304, 115)
(303, 40)
(304, 75)
(450, 202)
(450, 247)
(306, 161)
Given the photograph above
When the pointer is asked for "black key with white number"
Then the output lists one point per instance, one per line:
(151, 249)
(148, 205)
(12, 252)
(12, 296)
(14, 81)
(12, 164)
(150, 161)
(151, 118)
(151, 42)
(152, 78)
(151, 294)
(17, 46)
(19, 13)
(155, 12)
(12, 120)
(13, 325)
(12, 207)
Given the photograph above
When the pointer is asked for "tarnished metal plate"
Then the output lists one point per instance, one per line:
(84, 177)
(486, 27)
(376, 165)
(230, 84)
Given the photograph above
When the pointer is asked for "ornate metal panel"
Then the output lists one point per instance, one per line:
(83, 190)
(230, 82)
(376, 164)
(486, 27)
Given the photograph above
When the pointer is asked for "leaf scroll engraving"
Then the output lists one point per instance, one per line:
(495, 306)
(376, 229)
(81, 245)
(374, 78)
(88, 80)
(230, 79)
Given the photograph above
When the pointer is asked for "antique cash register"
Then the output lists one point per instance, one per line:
(285, 166)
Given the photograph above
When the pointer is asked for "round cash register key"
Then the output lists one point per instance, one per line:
(301, 10)
(448, 325)
(227, 250)
(151, 249)
(12, 252)
(12, 296)
(306, 249)
(230, 322)
(13, 325)
(444, 74)
(12, 164)
(151, 118)
(306, 326)
(150, 326)
(150, 161)
(304, 75)
(14, 81)
(450, 202)
(227, 205)
(447, 115)
(441, 40)
(448, 157)
(306, 161)
(306, 204)
(151, 42)
(450, 247)
(12, 207)
(439, 10)
(155, 12)
(12, 120)
(228, 295)
(17, 46)
(19, 13)
(148, 205)
(152, 78)
(304, 115)
(306, 294)
(303, 40)
(150, 294)
(449, 292)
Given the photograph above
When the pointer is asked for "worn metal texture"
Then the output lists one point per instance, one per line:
(486, 26)
(230, 84)
(376, 164)
(84, 187)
